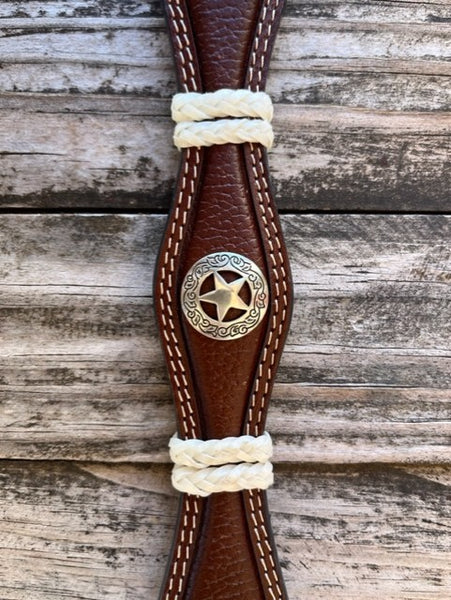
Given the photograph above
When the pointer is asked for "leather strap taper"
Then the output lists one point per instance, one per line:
(223, 547)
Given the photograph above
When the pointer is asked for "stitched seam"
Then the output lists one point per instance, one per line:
(182, 42)
(257, 162)
(276, 330)
(275, 334)
(258, 38)
(257, 514)
(187, 532)
(264, 543)
(187, 62)
(177, 367)
(166, 298)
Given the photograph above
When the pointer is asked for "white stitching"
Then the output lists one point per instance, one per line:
(259, 526)
(257, 41)
(167, 316)
(274, 326)
(176, 364)
(188, 178)
(184, 532)
(185, 48)
(269, 372)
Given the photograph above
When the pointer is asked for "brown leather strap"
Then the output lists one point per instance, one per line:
(223, 548)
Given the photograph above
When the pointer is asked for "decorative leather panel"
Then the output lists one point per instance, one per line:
(223, 549)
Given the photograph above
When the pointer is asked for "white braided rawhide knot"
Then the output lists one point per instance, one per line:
(223, 131)
(227, 478)
(199, 122)
(225, 465)
(208, 453)
(194, 106)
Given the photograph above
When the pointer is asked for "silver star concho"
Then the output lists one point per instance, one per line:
(224, 295)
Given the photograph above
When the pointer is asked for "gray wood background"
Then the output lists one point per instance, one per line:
(361, 413)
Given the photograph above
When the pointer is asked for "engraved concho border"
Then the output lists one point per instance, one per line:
(224, 261)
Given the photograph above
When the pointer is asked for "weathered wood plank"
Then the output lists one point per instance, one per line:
(92, 152)
(395, 11)
(362, 92)
(96, 531)
(356, 159)
(83, 152)
(366, 373)
(124, 54)
(67, 9)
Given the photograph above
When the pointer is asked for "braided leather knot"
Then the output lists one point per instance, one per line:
(194, 106)
(226, 465)
(223, 131)
(199, 122)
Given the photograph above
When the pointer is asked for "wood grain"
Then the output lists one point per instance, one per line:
(361, 91)
(92, 152)
(82, 531)
(365, 376)
(362, 122)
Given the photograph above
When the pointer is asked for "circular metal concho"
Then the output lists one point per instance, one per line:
(224, 295)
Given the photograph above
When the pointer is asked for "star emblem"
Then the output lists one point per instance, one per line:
(218, 306)
(225, 295)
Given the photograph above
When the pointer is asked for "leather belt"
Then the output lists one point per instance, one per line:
(222, 249)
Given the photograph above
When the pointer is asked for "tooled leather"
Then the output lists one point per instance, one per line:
(217, 555)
